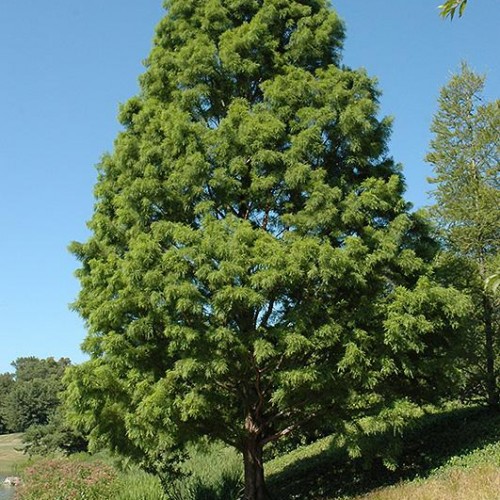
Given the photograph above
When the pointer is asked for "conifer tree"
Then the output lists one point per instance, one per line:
(253, 268)
(465, 155)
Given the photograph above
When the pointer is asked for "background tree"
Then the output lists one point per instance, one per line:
(253, 268)
(34, 392)
(465, 154)
(31, 368)
(31, 404)
(6, 385)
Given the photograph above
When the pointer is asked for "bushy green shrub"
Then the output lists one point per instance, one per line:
(55, 436)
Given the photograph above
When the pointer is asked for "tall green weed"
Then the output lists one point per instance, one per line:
(211, 472)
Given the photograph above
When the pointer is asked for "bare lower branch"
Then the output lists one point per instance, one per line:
(287, 430)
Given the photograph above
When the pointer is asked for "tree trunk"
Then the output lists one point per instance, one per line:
(491, 383)
(255, 486)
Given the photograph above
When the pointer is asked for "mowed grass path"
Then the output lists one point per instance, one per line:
(477, 483)
(10, 456)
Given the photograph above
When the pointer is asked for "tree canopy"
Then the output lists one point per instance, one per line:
(253, 268)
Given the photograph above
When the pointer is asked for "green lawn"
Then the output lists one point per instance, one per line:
(10, 456)
(475, 475)
(480, 482)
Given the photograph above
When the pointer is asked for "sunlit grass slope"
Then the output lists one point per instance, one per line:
(445, 453)
(10, 454)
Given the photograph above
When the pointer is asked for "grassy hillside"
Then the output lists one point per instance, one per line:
(475, 475)
(451, 451)
(10, 456)
(479, 482)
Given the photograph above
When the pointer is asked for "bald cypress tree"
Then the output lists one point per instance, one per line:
(253, 268)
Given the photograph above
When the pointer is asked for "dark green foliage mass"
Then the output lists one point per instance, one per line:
(253, 268)
(6, 386)
(31, 394)
(57, 435)
(31, 368)
(30, 403)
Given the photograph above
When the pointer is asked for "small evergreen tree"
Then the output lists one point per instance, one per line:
(253, 268)
(465, 155)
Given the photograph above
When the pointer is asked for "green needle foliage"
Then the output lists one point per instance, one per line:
(465, 155)
(450, 7)
(253, 269)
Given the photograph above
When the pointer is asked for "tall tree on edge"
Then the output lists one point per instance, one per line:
(465, 155)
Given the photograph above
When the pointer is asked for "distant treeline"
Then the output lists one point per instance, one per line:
(30, 402)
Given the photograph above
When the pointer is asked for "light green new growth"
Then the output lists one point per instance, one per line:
(450, 7)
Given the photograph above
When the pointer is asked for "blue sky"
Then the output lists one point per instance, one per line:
(67, 64)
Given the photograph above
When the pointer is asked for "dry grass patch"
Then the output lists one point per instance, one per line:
(10, 456)
(478, 483)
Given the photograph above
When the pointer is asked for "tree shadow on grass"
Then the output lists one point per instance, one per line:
(426, 446)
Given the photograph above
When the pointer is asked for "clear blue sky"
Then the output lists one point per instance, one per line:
(67, 64)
